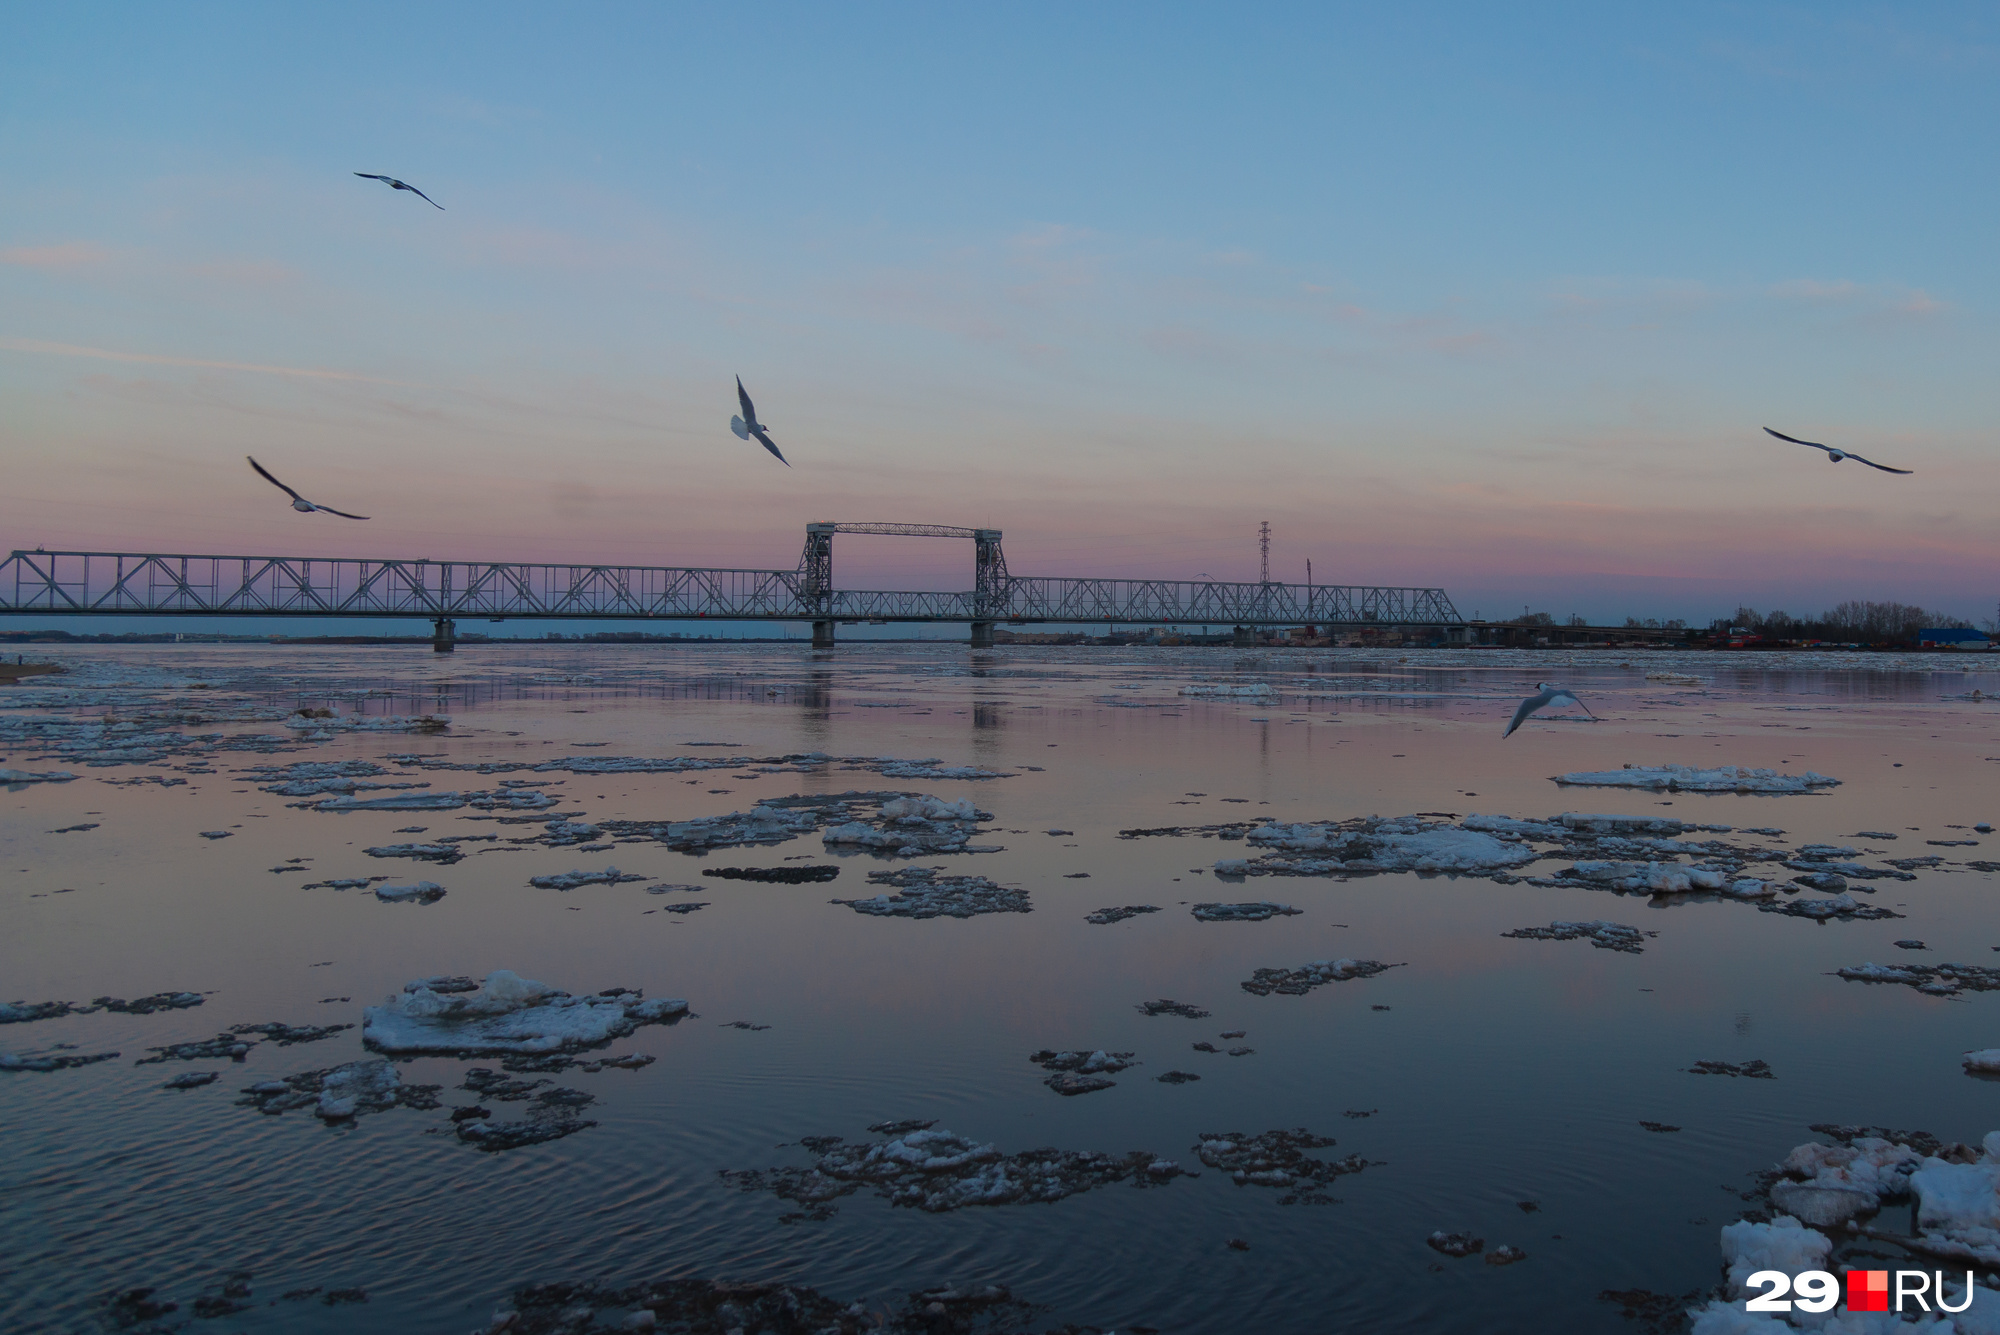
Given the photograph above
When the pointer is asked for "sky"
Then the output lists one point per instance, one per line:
(1492, 298)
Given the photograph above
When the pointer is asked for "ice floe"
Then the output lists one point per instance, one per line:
(20, 1012)
(440, 852)
(553, 1114)
(421, 892)
(808, 875)
(1956, 1189)
(11, 776)
(1226, 691)
(921, 892)
(340, 1093)
(318, 722)
(913, 825)
(1297, 982)
(1844, 907)
(570, 880)
(1755, 1070)
(1936, 979)
(1688, 779)
(1373, 845)
(1081, 1072)
(1277, 1159)
(704, 1307)
(1261, 911)
(497, 799)
(937, 1171)
(1119, 913)
(51, 1060)
(1603, 935)
(507, 1013)
(1166, 1007)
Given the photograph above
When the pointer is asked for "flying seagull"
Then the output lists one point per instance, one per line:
(1549, 695)
(395, 184)
(747, 425)
(299, 503)
(1835, 456)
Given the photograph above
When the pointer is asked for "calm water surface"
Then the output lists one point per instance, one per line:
(1498, 1070)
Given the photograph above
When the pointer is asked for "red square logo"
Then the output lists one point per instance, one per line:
(1867, 1290)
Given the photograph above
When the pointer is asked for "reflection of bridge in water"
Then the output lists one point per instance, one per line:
(154, 584)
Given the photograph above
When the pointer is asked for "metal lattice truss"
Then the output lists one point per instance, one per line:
(123, 583)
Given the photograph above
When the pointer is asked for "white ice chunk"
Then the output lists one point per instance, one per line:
(928, 808)
(345, 1088)
(1720, 1318)
(508, 1014)
(1987, 1060)
(1957, 1196)
(1783, 1244)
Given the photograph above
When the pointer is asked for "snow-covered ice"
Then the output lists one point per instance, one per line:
(1297, 982)
(507, 1014)
(343, 1092)
(1689, 779)
(922, 892)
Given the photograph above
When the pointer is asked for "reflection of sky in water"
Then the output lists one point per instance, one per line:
(1504, 1070)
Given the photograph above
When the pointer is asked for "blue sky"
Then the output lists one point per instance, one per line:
(1490, 298)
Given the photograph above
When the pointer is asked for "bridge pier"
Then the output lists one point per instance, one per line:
(444, 635)
(1245, 637)
(982, 634)
(822, 634)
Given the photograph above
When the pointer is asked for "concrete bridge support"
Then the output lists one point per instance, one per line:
(444, 635)
(822, 634)
(982, 634)
(1246, 638)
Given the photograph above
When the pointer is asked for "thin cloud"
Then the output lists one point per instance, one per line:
(157, 359)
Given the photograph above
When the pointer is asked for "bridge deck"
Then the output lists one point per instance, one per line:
(142, 584)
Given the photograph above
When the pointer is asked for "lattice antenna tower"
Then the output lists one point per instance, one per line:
(1264, 552)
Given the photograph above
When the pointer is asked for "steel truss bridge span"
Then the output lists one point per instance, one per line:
(155, 584)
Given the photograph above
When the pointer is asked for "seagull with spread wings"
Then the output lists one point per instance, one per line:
(1548, 695)
(299, 503)
(395, 184)
(1835, 456)
(747, 425)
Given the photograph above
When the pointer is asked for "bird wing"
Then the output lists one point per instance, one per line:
(1565, 698)
(419, 194)
(1884, 467)
(1527, 707)
(772, 448)
(743, 397)
(371, 176)
(1796, 441)
(274, 482)
(342, 513)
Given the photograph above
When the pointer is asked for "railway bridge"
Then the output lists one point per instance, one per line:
(80, 583)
